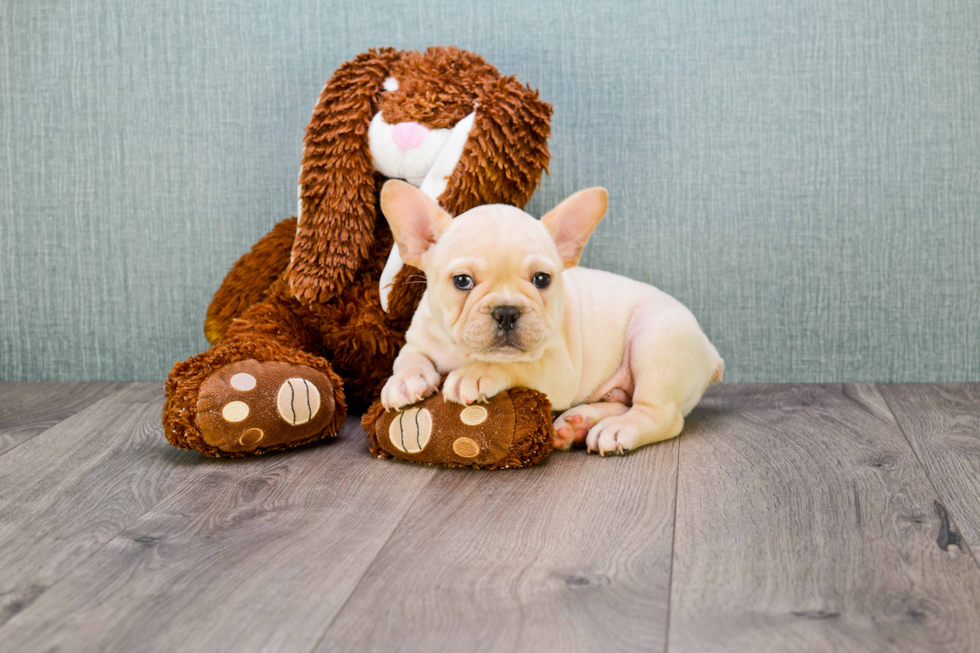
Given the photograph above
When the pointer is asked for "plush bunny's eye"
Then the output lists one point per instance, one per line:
(541, 280)
(463, 281)
(390, 84)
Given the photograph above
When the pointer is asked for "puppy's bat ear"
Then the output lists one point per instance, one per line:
(415, 220)
(573, 221)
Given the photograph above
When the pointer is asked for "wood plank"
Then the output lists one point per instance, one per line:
(246, 554)
(571, 555)
(27, 409)
(804, 522)
(74, 486)
(942, 423)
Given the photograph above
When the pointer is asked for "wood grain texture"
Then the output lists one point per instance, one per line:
(942, 423)
(248, 554)
(27, 409)
(804, 522)
(70, 489)
(571, 555)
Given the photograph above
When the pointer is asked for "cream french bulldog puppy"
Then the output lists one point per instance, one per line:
(506, 306)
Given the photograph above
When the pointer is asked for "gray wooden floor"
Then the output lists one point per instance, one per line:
(785, 518)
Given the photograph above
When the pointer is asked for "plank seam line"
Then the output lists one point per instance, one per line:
(75, 414)
(963, 544)
(367, 567)
(673, 550)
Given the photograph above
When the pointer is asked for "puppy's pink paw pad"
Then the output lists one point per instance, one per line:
(564, 437)
(575, 422)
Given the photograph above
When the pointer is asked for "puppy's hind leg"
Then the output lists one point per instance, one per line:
(671, 362)
(640, 425)
(574, 424)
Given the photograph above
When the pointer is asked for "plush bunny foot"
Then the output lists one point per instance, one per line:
(513, 429)
(250, 405)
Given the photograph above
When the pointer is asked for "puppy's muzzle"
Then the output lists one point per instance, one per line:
(506, 317)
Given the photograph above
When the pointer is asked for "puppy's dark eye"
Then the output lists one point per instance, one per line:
(541, 280)
(463, 281)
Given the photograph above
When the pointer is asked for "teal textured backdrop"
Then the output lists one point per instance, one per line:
(804, 175)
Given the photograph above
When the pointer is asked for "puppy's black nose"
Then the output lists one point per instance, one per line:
(506, 316)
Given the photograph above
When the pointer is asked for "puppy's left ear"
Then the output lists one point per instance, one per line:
(573, 221)
(415, 220)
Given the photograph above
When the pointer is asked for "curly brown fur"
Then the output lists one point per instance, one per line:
(313, 294)
(336, 231)
(534, 431)
(502, 161)
(249, 337)
(249, 279)
(508, 153)
(369, 422)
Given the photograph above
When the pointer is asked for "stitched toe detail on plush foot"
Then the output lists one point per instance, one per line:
(251, 405)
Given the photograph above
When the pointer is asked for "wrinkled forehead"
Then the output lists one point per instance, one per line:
(495, 231)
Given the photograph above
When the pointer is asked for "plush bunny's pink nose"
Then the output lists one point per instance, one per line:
(408, 135)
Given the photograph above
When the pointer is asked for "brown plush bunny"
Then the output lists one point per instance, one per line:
(301, 327)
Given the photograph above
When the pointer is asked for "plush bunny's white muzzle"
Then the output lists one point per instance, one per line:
(424, 159)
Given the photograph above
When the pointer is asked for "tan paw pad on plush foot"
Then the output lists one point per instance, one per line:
(298, 401)
(410, 430)
(250, 405)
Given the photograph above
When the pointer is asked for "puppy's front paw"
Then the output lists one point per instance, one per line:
(474, 383)
(409, 387)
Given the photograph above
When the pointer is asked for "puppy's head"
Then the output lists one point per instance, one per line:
(493, 273)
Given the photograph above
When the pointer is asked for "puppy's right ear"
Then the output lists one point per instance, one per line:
(415, 220)
(573, 221)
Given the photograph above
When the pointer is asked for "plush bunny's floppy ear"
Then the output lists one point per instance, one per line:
(338, 184)
(507, 150)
